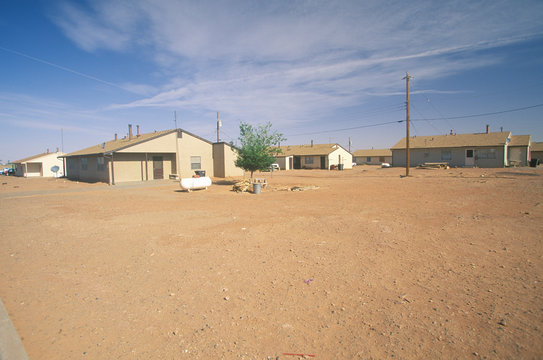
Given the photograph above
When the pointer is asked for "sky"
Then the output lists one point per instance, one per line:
(74, 73)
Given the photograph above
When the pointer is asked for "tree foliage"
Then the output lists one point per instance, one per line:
(258, 147)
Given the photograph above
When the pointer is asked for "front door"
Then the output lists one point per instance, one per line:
(297, 162)
(323, 162)
(158, 168)
(470, 158)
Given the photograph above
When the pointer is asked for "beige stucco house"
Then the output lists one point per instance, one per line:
(45, 165)
(151, 156)
(314, 156)
(372, 156)
(482, 150)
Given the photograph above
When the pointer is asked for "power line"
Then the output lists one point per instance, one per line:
(483, 114)
(345, 129)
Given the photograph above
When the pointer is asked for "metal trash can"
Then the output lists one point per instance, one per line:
(256, 188)
(340, 167)
(534, 162)
(200, 173)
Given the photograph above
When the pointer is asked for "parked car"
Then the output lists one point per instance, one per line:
(274, 167)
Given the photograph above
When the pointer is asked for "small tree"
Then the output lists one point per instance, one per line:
(259, 147)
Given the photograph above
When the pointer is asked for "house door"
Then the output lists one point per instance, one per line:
(297, 162)
(158, 168)
(323, 162)
(470, 158)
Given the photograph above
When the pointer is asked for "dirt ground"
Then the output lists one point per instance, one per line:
(370, 265)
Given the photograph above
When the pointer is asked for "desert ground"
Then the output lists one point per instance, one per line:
(366, 265)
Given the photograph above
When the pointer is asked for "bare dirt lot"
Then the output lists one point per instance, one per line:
(442, 264)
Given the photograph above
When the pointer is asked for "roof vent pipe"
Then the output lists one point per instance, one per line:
(311, 143)
(501, 128)
(115, 136)
(129, 131)
(137, 130)
(487, 129)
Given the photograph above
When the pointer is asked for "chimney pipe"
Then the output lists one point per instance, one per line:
(129, 131)
(137, 130)
(48, 151)
(115, 136)
(501, 128)
(487, 128)
(311, 143)
(451, 132)
(57, 149)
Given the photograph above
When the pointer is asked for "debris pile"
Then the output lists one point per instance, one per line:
(435, 165)
(242, 186)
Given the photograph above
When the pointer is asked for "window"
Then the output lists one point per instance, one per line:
(368, 159)
(381, 159)
(71, 164)
(84, 164)
(100, 164)
(426, 155)
(446, 155)
(195, 162)
(486, 154)
(309, 160)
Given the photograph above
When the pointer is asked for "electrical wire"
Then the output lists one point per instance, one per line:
(483, 114)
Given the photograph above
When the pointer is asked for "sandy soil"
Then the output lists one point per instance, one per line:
(371, 265)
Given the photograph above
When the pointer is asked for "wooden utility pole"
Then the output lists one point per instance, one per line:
(177, 165)
(407, 157)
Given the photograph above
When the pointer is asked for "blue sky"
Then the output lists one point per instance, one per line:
(311, 68)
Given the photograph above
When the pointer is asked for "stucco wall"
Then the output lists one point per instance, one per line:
(340, 156)
(374, 160)
(224, 158)
(458, 157)
(192, 146)
(41, 166)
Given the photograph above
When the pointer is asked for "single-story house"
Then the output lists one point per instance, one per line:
(46, 165)
(518, 150)
(372, 156)
(536, 151)
(151, 156)
(314, 156)
(482, 150)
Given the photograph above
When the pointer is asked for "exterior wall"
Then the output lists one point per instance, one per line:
(340, 156)
(311, 162)
(41, 166)
(374, 160)
(519, 154)
(139, 167)
(192, 146)
(537, 155)
(224, 158)
(284, 162)
(458, 157)
(75, 171)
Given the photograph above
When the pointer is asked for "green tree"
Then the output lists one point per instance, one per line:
(259, 147)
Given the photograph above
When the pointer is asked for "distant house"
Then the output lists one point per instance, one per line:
(151, 156)
(518, 150)
(314, 156)
(536, 151)
(372, 156)
(482, 150)
(45, 165)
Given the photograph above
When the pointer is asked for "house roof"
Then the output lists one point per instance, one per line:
(34, 157)
(119, 144)
(454, 141)
(520, 140)
(537, 146)
(305, 150)
(373, 152)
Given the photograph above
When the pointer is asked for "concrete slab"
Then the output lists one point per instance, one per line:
(11, 347)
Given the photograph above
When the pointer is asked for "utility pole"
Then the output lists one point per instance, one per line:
(407, 77)
(218, 126)
(349, 144)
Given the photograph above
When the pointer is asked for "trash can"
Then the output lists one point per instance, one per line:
(256, 188)
(340, 167)
(534, 162)
(200, 173)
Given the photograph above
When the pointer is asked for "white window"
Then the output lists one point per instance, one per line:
(446, 155)
(195, 162)
(100, 164)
